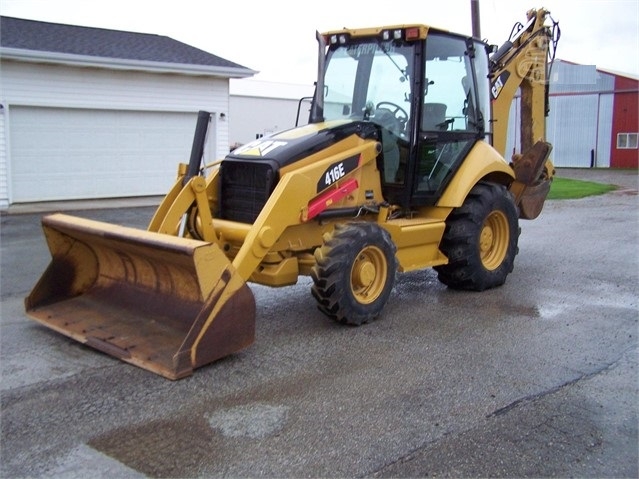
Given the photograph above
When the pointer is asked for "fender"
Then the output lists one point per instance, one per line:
(483, 162)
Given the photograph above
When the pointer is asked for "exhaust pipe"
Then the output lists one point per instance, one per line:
(197, 150)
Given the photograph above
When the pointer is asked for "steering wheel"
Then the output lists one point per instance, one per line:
(397, 111)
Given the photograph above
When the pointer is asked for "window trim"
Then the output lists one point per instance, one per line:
(630, 141)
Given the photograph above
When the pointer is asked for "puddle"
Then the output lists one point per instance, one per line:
(84, 461)
(254, 421)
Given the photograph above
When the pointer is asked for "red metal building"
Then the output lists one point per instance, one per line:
(624, 151)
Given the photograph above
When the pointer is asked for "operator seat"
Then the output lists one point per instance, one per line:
(434, 117)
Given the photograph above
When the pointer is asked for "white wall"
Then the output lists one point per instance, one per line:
(50, 85)
(252, 116)
(4, 169)
(580, 119)
(261, 107)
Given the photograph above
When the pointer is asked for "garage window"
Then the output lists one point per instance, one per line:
(627, 141)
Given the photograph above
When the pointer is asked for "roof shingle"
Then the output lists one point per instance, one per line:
(99, 42)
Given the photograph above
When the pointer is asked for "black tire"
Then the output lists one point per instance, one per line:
(480, 240)
(354, 272)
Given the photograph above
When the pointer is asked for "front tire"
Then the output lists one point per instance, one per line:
(480, 240)
(354, 272)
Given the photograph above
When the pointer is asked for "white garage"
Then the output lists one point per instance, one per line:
(102, 123)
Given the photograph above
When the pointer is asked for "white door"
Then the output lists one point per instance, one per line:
(66, 153)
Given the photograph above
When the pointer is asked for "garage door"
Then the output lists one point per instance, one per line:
(63, 154)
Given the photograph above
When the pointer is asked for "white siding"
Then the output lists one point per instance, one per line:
(604, 130)
(513, 140)
(100, 90)
(580, 119)
(572, 129)
(4, 172)
(251, 117)
(57, 85)
(578, 126)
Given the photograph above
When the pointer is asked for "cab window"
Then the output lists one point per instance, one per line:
(449, 95)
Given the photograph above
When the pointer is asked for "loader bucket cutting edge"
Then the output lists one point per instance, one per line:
(166, 304)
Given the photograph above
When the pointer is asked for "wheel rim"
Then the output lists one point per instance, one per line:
(494, 240)
(368, 275)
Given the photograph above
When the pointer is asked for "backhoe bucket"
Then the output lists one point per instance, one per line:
(163, 303)
(532, 182)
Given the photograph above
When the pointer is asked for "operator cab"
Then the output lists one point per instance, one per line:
(426, 90)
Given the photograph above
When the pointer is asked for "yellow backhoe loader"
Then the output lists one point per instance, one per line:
(400, 167)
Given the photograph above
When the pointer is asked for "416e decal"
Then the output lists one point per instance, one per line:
(336, 171)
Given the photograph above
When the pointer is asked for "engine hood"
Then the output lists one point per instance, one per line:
(292, 145)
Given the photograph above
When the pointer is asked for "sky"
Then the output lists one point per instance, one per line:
(277, 37)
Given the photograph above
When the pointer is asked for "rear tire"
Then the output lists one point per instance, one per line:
(354, 272)
(480, 240)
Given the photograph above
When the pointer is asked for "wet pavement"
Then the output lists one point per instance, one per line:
(537, 378)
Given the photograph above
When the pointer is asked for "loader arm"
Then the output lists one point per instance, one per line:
(288, 205)
(192, 192)
(197, 193)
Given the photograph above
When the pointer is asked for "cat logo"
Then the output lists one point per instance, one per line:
(258, 147)
(498, 84)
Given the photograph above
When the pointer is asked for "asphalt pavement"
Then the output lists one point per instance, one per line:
(537, 378)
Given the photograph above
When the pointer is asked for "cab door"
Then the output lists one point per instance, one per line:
(453, 113)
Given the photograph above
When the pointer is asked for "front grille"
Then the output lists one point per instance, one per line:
(245, 188)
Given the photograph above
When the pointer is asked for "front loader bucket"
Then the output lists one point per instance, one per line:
(163, 303)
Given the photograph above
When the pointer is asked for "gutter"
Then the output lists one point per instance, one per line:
(33, 56)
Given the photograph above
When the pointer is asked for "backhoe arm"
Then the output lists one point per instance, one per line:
(523, 63)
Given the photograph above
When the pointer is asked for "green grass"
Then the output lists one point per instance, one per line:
(568, 189)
